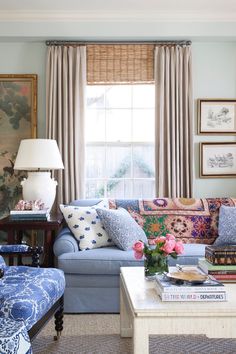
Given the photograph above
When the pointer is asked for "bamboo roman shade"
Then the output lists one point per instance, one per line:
(120, 63)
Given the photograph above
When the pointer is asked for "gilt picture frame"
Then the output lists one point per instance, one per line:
(217, 160)
(18, 120)
(217, 116)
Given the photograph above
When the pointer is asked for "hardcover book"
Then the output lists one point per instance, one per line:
(210, 290)
(21, 215)
(167, 286)
(217, 255)
(192, 296)
(206, 266)
(221, 272)
(29, 212)
(226, 277)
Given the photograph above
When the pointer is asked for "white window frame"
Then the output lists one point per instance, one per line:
(106, 144)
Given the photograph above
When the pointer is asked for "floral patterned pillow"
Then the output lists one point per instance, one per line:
(86, 226)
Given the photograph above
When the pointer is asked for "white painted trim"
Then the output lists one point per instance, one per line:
(84, 16)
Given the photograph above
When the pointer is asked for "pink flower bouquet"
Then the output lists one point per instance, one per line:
(156, 253)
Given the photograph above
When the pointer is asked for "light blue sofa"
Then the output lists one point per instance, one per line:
(92, 276)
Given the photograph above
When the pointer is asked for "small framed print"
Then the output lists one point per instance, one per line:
(218, 159)
(217, 116)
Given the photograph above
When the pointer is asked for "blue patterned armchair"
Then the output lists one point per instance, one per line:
(30, 295)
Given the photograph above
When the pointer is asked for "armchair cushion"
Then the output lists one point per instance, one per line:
(27, 293)
(14, 338)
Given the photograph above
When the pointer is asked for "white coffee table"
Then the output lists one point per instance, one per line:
(142, 313)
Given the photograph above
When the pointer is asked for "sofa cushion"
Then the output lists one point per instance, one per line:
(190, 256)
(121, 227)
(107, 260)
(86, 226)
(227, 226)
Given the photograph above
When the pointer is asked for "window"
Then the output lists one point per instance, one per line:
(120, 141)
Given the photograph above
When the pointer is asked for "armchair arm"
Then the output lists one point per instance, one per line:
(21, 249)
(9, 249)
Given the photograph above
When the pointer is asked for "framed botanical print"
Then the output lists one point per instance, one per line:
(18, 120)
(218, 159)
(217, 116)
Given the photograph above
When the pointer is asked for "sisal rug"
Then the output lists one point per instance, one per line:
(99, 334)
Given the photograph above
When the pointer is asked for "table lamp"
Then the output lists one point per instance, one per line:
(38, 156)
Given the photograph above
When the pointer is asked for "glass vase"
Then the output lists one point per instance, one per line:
(155, 264)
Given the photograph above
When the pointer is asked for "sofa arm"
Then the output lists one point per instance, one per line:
(65, 243)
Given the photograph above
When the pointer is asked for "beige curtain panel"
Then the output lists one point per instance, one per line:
(65, 114)
(174, 121)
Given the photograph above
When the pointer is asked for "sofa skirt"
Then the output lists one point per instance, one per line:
(92, 300)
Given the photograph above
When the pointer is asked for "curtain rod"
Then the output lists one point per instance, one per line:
(55, 42)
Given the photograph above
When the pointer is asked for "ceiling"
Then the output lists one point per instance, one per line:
(117, 19)
(218, 10)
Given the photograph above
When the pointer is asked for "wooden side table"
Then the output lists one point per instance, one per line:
(15, 229)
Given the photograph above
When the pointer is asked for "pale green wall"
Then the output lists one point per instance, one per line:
(214, 75)
(117, 27)
(27, 58)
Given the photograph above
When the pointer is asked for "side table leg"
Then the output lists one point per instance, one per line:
(19, 238)
(140, 336)
(10, 241)
(48, 249)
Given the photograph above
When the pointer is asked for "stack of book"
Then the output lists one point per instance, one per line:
(221, 255)
(209, 290)
(220, 262)
(32, 215)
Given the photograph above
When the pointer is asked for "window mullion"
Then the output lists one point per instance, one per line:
(132, 142)
(105, 148)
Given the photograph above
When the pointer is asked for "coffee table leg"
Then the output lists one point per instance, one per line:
(140, 336)
(125, 321)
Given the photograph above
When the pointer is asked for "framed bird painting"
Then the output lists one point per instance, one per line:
(18, 120)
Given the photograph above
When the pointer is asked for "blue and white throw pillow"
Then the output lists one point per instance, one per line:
(227, 226)
(121, 227)
(86, 225)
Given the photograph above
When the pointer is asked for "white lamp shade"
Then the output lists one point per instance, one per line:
(38, 154)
